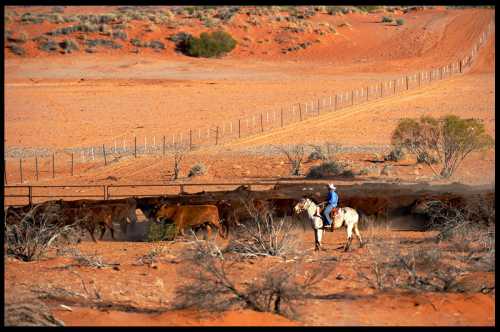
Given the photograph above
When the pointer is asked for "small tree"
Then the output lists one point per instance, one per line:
(179, 152)
(448, 139)
(295, 155)
(326, 152)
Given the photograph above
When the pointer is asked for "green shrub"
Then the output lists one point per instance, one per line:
(327, 170)
(48, 46)
(197, 169)
(209, 45)
(162, 231)
(396, 154)
(119, 35)
(450, 139)
(425, 157)
(369, 9)
(387, 19)
(156, 45)
(17, 50)
(69, 46)
(400, 21)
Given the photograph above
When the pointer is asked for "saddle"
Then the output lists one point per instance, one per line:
(333, 213)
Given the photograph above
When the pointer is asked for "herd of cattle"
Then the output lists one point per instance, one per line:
(222, 211)
(90, 215)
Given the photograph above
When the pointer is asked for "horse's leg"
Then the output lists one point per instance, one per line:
(316, 241)
(349, 237)
(320, 237)
(358, 235)
(103, 230)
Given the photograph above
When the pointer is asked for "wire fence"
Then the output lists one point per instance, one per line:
(44, 164)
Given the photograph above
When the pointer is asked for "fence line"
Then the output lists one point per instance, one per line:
(260, 122)
(105, 192)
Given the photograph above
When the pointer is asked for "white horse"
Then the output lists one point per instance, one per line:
(346, 216)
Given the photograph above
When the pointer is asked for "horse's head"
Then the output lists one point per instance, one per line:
(300, 206)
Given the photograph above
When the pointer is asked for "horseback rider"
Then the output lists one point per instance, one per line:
(332, 200)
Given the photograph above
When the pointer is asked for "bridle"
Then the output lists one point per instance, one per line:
(303, 207)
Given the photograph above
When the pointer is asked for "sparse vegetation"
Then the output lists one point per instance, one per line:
(33, 235)
(208, 45)
(197, 170)
(448, 139)
(212, 288)
(68, 46)
(328, 170)
(295, 154)
(387, 19)
(400, 21)
(263, 235)
(16, 49)
(396, 154)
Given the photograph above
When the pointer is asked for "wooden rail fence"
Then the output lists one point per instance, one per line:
(29, 195)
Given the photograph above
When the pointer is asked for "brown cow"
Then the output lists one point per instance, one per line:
(190, 216)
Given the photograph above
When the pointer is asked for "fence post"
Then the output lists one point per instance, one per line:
(72, 163)
(21, 168)
(5, 171)
(216, 135)
(319, 105)
(282, 117)
(190, 139)
(104, 192)
(36, 167)
(30, 196)
(336, 102)
(381, 90)
(135, 147)
(104, 153)
(430, 76)
(53, 165)
(300, 112)
(261, 123)
(352, 97)
(460, 63)
(239, 128)
(164, 145)
(419, 74)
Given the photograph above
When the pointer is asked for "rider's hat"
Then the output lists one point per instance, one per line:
(331, 186)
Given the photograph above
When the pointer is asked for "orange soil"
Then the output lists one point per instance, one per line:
(346, 301)
(57, 101)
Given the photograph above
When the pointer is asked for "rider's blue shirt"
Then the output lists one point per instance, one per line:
(333, 198)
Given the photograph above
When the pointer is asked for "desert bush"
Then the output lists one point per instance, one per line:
(425, 157)
(17, 50)
(449, 138)
(69, 45)
(119, 35)
(387, 19)
(27, 18)
(197, 170)
(32, 237)
(263, 235)
(21, 38)
(368, 9)
(102, 42)
(136, 42)
(327, 170)
(209, 45)
(396, 154)
(156, 45)
(29, 311)
(327, 151)
(400, 21)
(48, 46)
(161, 231)
(211, 287)
(295, 155)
